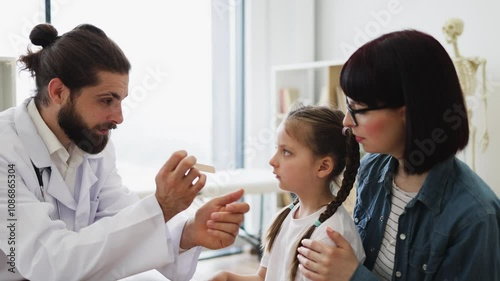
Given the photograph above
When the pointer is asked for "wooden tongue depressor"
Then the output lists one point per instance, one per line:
(204, 168)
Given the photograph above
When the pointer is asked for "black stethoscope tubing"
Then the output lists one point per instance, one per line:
(39, 176)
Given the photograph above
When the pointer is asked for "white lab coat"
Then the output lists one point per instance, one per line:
(107, 233)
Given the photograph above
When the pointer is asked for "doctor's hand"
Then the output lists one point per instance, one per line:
(216, 224)
(175, 190)
(319, 261)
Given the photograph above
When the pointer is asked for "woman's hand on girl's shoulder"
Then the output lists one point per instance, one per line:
(321, 262)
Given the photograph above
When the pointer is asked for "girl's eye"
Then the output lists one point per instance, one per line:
(286, 152)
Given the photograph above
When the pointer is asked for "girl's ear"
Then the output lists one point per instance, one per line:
(326, 166)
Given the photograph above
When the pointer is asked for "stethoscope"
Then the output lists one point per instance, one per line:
(39, 175)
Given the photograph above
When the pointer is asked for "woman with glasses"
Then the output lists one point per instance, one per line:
(422, 213)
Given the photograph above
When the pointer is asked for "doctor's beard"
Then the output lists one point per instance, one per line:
(86, 138)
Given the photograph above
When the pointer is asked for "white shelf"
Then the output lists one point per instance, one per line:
(307, 65)
(316, 83)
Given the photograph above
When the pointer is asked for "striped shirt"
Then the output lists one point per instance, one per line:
(384, 264)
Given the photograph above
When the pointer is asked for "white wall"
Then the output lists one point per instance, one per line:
(277, 32)
(343, 26)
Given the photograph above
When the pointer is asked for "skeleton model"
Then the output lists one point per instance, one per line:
(467, 70)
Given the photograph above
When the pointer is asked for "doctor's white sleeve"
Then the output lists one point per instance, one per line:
(132, 241)
(114, 196)
(184, 265)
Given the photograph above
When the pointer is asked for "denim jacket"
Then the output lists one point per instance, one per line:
(449, 231)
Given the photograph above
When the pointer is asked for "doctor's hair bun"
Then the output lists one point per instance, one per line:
(43, 35)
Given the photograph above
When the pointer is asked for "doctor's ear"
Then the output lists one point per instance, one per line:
(326, 166)
(57, 92)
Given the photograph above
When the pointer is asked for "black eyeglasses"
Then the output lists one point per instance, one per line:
(366, 109)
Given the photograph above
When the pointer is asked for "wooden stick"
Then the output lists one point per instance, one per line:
(204, 168)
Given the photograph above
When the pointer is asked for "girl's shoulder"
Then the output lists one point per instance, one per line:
(341, 222)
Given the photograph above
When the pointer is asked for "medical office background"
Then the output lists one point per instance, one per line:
(202, 70)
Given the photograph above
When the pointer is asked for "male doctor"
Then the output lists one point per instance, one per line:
(65, 213)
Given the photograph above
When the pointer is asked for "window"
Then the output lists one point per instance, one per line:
(227, 88)
(169, 106)
(186, 60)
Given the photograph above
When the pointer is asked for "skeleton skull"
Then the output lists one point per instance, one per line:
(453, 28)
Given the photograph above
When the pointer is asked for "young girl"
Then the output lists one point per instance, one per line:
(312, 151)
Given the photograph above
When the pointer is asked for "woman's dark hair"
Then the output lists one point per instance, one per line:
(320, 128)
(75, 57)
(410, 68)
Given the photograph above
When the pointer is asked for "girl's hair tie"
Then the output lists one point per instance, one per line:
(317, 223)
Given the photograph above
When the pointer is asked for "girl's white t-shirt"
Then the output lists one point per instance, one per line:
(278, 262)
